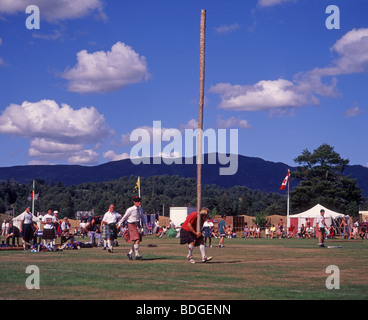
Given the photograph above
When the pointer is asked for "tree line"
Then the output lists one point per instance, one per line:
(319, 174)
(158, 193)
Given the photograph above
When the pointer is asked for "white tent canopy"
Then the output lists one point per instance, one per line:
(17, 219)
(298, 219)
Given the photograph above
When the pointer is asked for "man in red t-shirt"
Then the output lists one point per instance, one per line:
(189, 235)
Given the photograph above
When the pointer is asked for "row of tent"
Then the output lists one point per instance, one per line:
(296, 220)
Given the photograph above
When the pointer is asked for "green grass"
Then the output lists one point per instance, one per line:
(264, 269)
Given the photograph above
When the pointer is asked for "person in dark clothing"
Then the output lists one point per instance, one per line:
(13, 232)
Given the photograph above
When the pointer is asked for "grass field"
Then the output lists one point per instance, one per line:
(246, 269)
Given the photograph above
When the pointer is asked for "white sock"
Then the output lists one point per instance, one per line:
(202, 250)
(190, 250)
(109, 243)
(131, 249)
(136, 249)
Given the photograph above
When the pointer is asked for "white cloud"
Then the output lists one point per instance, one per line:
(59, 123)
(54, 11)
(41, 147)
(264, 95)
(112, 156)
(57, 34)
(191, 124)
(271, 3)
(84, 157)
(352, 50)
(106, 71)
(353, 112)
(55, 132)
(227, 28)
(305, 87)
(232, 122)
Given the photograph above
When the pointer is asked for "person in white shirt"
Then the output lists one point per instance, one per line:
(157, 227)
(134, 217)
(208, 228)
(108, 225)
(65, 231)
(28, 227)
(6, 227)
(3, 228)
(49, 232)
(321, 227)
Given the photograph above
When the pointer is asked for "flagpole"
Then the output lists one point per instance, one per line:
(139, 187)
(288, 204)
(200, 114)
(33, 196)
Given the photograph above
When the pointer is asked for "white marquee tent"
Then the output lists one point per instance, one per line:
(298, 219)
(17, 219)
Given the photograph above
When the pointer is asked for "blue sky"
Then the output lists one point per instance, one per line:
(73, 90)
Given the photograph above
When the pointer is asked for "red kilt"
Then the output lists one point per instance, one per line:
(132, 234)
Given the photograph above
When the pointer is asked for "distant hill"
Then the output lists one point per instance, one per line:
(254, 173)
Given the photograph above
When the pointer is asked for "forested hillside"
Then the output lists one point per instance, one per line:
(157, 192)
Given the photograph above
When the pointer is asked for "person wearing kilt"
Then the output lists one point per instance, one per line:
(134, 217)
(28, 227)
(189, 235)
(49, 232)
(108, 225)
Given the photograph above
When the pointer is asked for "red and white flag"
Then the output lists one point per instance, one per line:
(284, 183)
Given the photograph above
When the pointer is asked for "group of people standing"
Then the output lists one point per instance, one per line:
(112, 222)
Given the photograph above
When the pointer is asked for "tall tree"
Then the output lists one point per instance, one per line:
(322, 181)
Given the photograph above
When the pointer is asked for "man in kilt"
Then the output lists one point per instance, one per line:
(28, 227)
(134, 217)
(49, 232)
(108, 225)
(189, 235)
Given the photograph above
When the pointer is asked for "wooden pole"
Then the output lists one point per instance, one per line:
(33, 197)
(200, 115)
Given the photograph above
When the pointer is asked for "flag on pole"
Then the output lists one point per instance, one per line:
(30, 197)
(136, 186)
(284, 183)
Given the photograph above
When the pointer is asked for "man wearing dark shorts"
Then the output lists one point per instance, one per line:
(321, 226)
(28, 227)
(189, 235)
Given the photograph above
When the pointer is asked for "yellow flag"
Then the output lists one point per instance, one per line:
(136, 186)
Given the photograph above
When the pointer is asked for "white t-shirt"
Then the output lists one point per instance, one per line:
(208, 224)
(321, 221)
(50, 221)
(27, 217)
(111, 217)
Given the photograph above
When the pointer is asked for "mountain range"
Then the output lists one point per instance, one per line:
(255, 173)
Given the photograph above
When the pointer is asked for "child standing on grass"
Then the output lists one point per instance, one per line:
(222, 232)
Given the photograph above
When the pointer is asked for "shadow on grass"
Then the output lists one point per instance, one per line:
(222, 262)
(153, 259)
